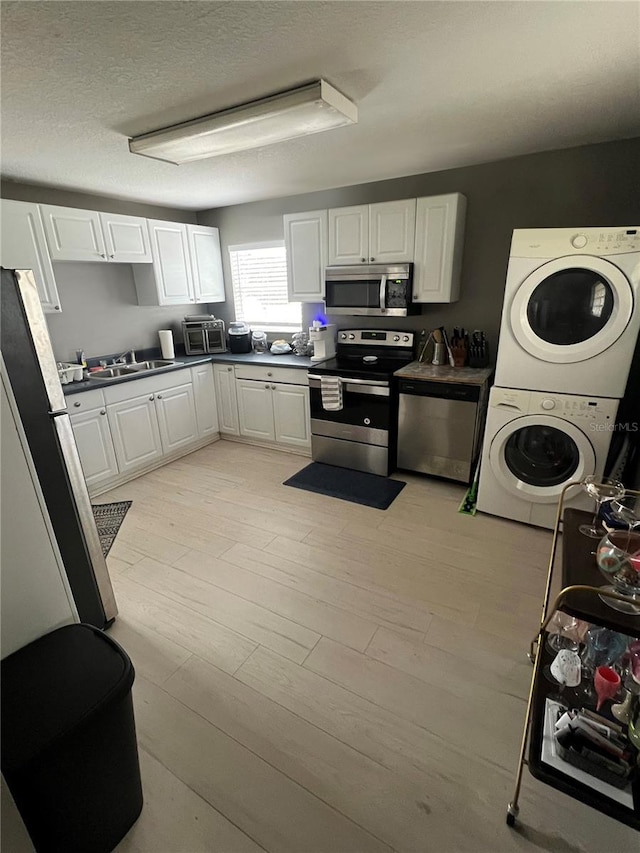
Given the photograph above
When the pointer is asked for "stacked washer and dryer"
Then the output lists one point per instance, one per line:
(569, 328)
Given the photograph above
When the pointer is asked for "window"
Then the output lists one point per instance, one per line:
(259, 277)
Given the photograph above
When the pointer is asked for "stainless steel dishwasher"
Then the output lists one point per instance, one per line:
(440, 427)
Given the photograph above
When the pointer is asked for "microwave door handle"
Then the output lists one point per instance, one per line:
(383, 292)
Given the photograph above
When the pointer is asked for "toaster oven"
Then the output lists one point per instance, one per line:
(203, 334)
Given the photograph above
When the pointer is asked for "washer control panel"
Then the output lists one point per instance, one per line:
(558, 242)
(570, 407)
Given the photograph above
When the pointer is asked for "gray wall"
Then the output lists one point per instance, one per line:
(100, 311)
(576, 187)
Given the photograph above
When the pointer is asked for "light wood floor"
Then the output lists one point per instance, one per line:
(315, 676)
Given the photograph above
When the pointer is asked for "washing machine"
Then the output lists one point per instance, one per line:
(534, 444)
(571, 310)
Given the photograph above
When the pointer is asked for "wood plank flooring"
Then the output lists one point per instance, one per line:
(315, 676)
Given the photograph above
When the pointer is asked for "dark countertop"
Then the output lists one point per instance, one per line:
(184, 361)
(444, 373)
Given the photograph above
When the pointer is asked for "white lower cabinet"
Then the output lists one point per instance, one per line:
(176, 417)
(291, 415)
(225, 382)
(95, 446)
(255, 409)
(204, 391)
(135, 432)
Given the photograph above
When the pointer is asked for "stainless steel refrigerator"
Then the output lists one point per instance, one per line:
(32, 371)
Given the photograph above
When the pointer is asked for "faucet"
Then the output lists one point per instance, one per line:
(122, 359)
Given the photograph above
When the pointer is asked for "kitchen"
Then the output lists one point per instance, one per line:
(253, 556)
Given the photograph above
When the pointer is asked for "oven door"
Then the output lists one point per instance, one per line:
(214, 340)
(195, 342)
(365, 413)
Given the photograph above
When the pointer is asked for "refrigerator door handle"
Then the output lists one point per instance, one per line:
(78, 485)
(41, 341)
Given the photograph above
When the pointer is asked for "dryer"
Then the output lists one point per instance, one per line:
(535, 443)
(571, 310)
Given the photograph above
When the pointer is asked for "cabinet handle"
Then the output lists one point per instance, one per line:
(372, 259)
(269, 374)
(267, 387)
(151, 397)
(159, 396)
(273, 387)
(363, 259)
(102, 254)
(112, 256)
(56, 307)
(77, 405)
(229, 369)
(103, 411)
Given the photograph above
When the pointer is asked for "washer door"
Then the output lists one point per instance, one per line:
(535, 456)
(571, 309)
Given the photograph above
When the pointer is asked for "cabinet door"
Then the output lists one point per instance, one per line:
(24, 247)
(95, 446)
(255, 409)
(135, 433)
(349, 235)
(291, 415)
(72, 234)
(126, 238)
(204, 392)
(438, 251)
(171, 265)
(176, 417)
(206, 263)
(305, 238)
(392, 230)
(225, 382)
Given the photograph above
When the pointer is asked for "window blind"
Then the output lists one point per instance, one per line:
(259, 278)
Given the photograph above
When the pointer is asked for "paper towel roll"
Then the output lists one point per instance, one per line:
(166, 343)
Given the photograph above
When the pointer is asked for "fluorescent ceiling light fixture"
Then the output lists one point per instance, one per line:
(297, 112)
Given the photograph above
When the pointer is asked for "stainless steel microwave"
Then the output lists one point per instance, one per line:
(371, 290)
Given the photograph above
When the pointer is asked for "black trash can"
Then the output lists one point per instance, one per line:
(69, 751)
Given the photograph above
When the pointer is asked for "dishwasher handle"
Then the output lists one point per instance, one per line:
(443, 390)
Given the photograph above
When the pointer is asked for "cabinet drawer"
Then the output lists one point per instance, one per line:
(146, 385)
(86, 400)
(288, 375)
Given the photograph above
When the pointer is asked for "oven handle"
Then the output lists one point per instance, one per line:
(383, 292)
(357, 386)
(373, 382)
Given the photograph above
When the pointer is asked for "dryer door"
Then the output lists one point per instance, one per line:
(571, 309)
(535, 456)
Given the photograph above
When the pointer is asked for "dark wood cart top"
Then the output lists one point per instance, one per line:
(579, 567)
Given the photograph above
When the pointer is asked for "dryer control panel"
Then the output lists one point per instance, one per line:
(559, 242)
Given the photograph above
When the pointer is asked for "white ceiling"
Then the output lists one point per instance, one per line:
(438, 85)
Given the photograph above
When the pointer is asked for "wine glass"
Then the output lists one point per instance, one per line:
(601, 489)
(607, 683)
(602, 647)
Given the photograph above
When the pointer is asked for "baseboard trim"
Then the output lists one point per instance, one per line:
(133, 475)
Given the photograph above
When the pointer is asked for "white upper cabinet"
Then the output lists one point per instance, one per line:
(186, 265)
(305, 238)
(24, 247)
(126, 238)
(169, 280)
(86, 235)
(392, 229)
(438, 248)
(206, 263)
(349, 235)
(372, 233)
(73, 234)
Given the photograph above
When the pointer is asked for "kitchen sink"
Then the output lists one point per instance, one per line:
(113, 373)
(150, 365)
(122, 371)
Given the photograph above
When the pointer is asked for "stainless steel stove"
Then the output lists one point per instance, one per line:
(354, 411)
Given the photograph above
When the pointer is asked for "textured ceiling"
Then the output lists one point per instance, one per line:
(438, 85)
